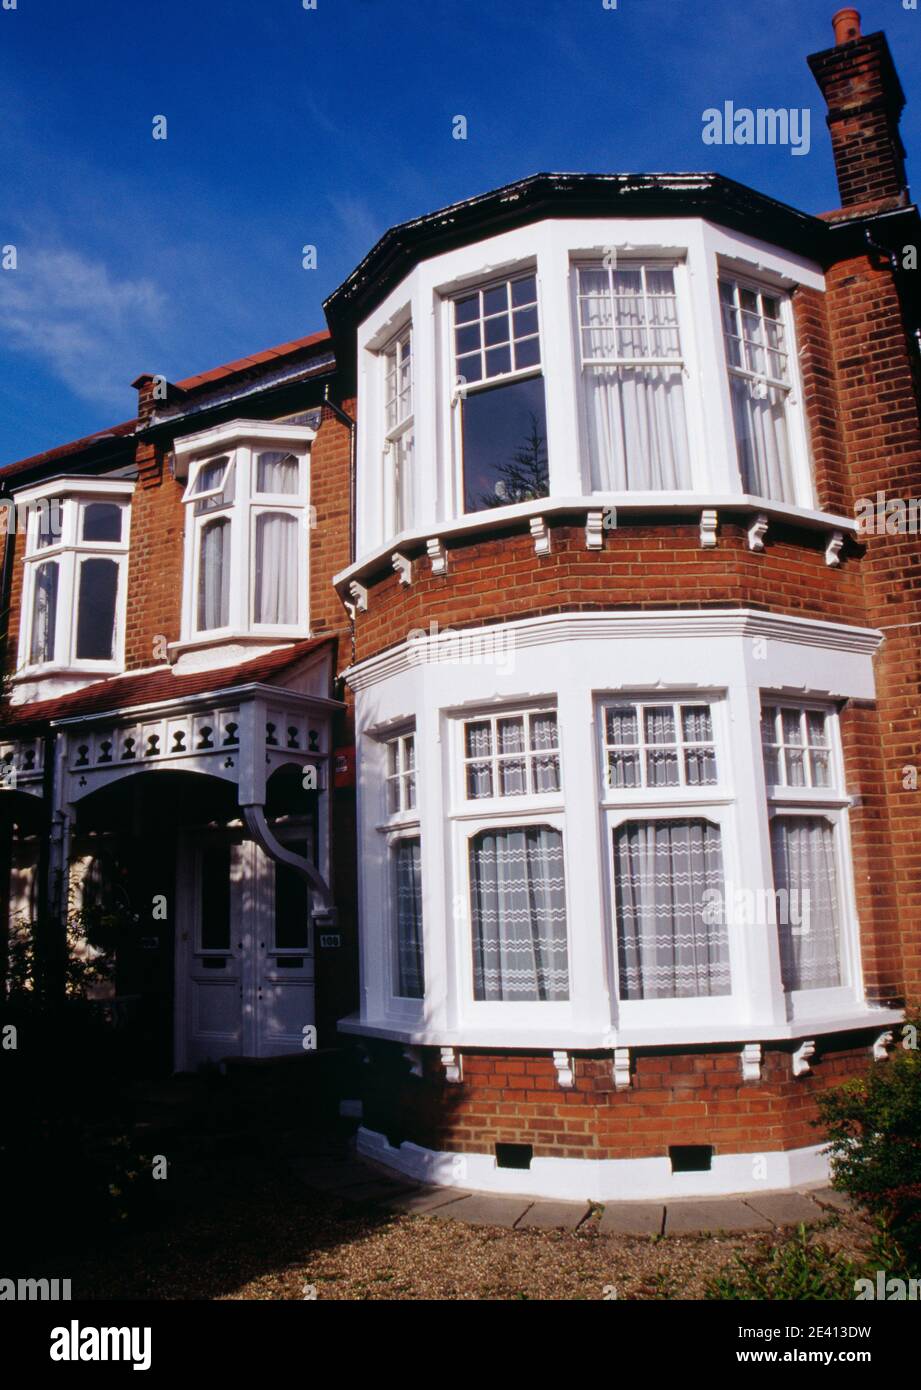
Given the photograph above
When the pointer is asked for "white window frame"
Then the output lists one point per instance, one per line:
(69, 552)
(646, 792)
(242, 443)
(499, 802)
(395, 433)
(468, 818)
(794, 416)
(402, 824)
(831, 804)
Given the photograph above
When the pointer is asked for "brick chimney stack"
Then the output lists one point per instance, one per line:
(865, 101)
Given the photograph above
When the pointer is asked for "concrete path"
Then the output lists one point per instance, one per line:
(356, 1181)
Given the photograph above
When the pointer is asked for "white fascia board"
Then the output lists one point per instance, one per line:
(70, 486)
(233, 432)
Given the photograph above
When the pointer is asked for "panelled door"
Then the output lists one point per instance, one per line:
(245, 975)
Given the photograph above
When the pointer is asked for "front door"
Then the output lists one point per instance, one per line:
(245, 967)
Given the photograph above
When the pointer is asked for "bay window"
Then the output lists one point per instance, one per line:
(499, 392)
(75, 573)
(632, 378)
(760, 384)
(246, 533)
(806, 837)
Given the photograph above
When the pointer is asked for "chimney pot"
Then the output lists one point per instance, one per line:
(846, 25)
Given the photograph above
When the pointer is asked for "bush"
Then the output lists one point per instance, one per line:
(799, 1268)
(874, 1129)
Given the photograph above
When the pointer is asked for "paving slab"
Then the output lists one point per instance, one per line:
(632, 1219)
(549, 1216)
(425, 1200)
(486, 1209)
(722, 1214)
(828, 1197)
(786, 1208)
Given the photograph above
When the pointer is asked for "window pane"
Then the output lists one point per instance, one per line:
(518, 901)
(671, 942)
(98, 592)
(209, 476)
(620, 724)
(759, 415)
(636, 428)
(410, 974)
(276, 569)
(214, 902)
(214, 576)
(44, 612)
(292, 907)
(478, 738)
(277, 472)
(102, 521)
(505, 445)
(806, 884)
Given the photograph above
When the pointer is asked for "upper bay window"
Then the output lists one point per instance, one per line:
(499, 392)
(75, 575)
(246, 534)
(758, 361)
(633, 378)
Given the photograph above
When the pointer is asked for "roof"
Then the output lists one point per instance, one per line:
(155, 686)
(91, 444)
(568, 195)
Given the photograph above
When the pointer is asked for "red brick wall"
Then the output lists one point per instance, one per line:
(677, 1097)
(155, 563)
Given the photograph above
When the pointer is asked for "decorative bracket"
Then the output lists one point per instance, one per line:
(803, 1056)
(437, 554)
(403, 566)
(413, 1055)
(564, 1069)
(751, 1062)
(881, 1046)
(708, 524)
(833, 549)
(541, 535)
(359, 596)
(621, 1068)
(594, 531)
(757, 532)
(453, 1063)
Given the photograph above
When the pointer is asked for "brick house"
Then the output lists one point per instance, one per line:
(520, 679)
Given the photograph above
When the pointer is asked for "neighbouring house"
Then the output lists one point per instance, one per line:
(519, 681)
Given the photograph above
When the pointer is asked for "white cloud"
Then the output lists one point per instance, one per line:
(94, 331)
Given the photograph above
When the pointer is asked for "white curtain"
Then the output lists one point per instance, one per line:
(761, 437)
(44, 612)
(519, 915)
(276, 472)
(214, 575)
(666, 948)
(410, 982)
(637, 430)
(276, 568)
(806, 882)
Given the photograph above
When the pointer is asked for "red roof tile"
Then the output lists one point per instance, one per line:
(149, 687)
(76, 446)
(254, 359)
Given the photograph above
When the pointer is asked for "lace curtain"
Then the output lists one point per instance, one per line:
(519, 915)
(410, 981)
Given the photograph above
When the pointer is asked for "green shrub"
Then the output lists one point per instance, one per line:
(874, 1129)
(798, 1268)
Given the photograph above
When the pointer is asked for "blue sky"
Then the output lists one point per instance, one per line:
(289, 126)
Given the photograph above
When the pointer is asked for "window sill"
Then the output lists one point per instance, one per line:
(226, 647)
(853, 1019)
(670, 505)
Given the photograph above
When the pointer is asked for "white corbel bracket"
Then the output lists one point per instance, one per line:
(359, 596)
(402, 566)
(437, 554)
(751, 1062)
(594, 531)
(833, 549)
(413, 1055)
(564, 1070)
(709, 520)
(453, 1063)
(621, 1068)
(881, 1046)
(802, 1057)
(757, 532)
(541, 535)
